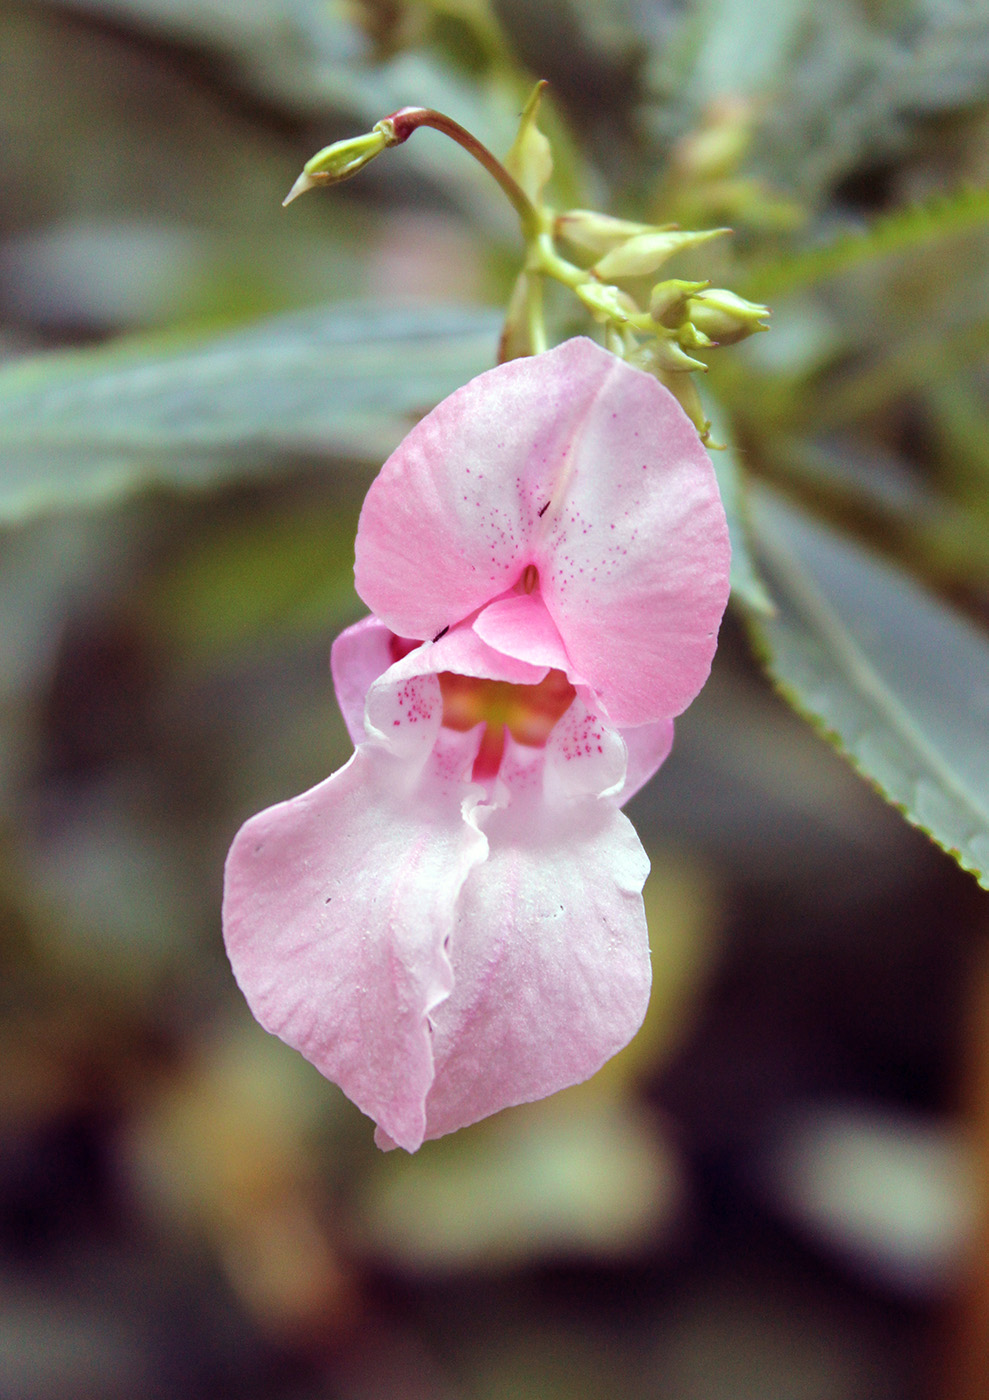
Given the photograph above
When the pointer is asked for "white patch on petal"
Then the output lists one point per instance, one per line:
(405, 715)
(585, 756)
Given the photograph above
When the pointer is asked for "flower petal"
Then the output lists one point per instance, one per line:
(648, 746)
(589, 470)
(519, 625)
(358, 657)
(338, 905)
(634, 565)
(450, 520)
(550, 953)
(463, 651)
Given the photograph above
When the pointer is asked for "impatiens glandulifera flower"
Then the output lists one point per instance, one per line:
(453, 922)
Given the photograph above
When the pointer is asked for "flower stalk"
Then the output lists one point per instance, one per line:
(665, 336)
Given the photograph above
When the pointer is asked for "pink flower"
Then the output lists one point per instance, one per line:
(453, 922)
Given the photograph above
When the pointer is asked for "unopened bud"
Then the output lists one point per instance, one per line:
(605, 303)
(718, 146)
(683, 387)
(692, 339)
(598, 233)
(648, 251)
(725, 317)
(343, 159)
(516, 339)
(668, 302)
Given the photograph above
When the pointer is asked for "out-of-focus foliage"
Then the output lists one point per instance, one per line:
(853, 642)
(196, 388)
(97, 425)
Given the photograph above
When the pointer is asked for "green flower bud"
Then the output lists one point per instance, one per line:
(684, 389)
(692, 339)
(725, 317)
(605, 303)
(598, 233)
(343, 159)
(718, 146)
(647, 251)
(668, 356)
(668, 302)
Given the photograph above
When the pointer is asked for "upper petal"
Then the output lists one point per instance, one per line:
(338, 905)
(586, 468)
(633, 562)
(450, 521)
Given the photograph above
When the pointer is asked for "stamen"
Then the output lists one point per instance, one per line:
(530, 579)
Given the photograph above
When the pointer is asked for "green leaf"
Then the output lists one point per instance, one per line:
(859, 81)
(93, 426)
(289, 570)
(903, 231)
(896, 680)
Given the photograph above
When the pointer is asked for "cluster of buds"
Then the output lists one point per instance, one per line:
(664, 333)
(683, 319)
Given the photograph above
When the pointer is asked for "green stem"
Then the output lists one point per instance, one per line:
(537, 323)
(409, 119)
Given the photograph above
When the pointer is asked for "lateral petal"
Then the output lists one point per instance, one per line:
(648, 746)
(550, 953)
(338, 905)
(358, 657)
(550, 961)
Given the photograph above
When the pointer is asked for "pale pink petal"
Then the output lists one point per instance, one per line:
(634, 563)
(648, 746)
(550, 953)
(364, 652)
(521, 626)
(450, 521)
(589, 470)
(461, 650)
(338, 905)
(358, 657)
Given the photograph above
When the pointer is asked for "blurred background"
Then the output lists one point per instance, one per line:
(779, 1191)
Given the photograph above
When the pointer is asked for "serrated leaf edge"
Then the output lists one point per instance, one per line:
(814, 604)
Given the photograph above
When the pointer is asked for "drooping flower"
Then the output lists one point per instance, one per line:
(453, 922)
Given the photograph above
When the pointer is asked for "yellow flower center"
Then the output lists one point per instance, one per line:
(528, 712)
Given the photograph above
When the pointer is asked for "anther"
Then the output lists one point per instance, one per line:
(530, 578)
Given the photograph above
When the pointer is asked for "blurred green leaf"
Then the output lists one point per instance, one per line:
(290, 571)
(860, 77)
(933, 352)
(902, 231)
(92, 426)
(897, 681)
